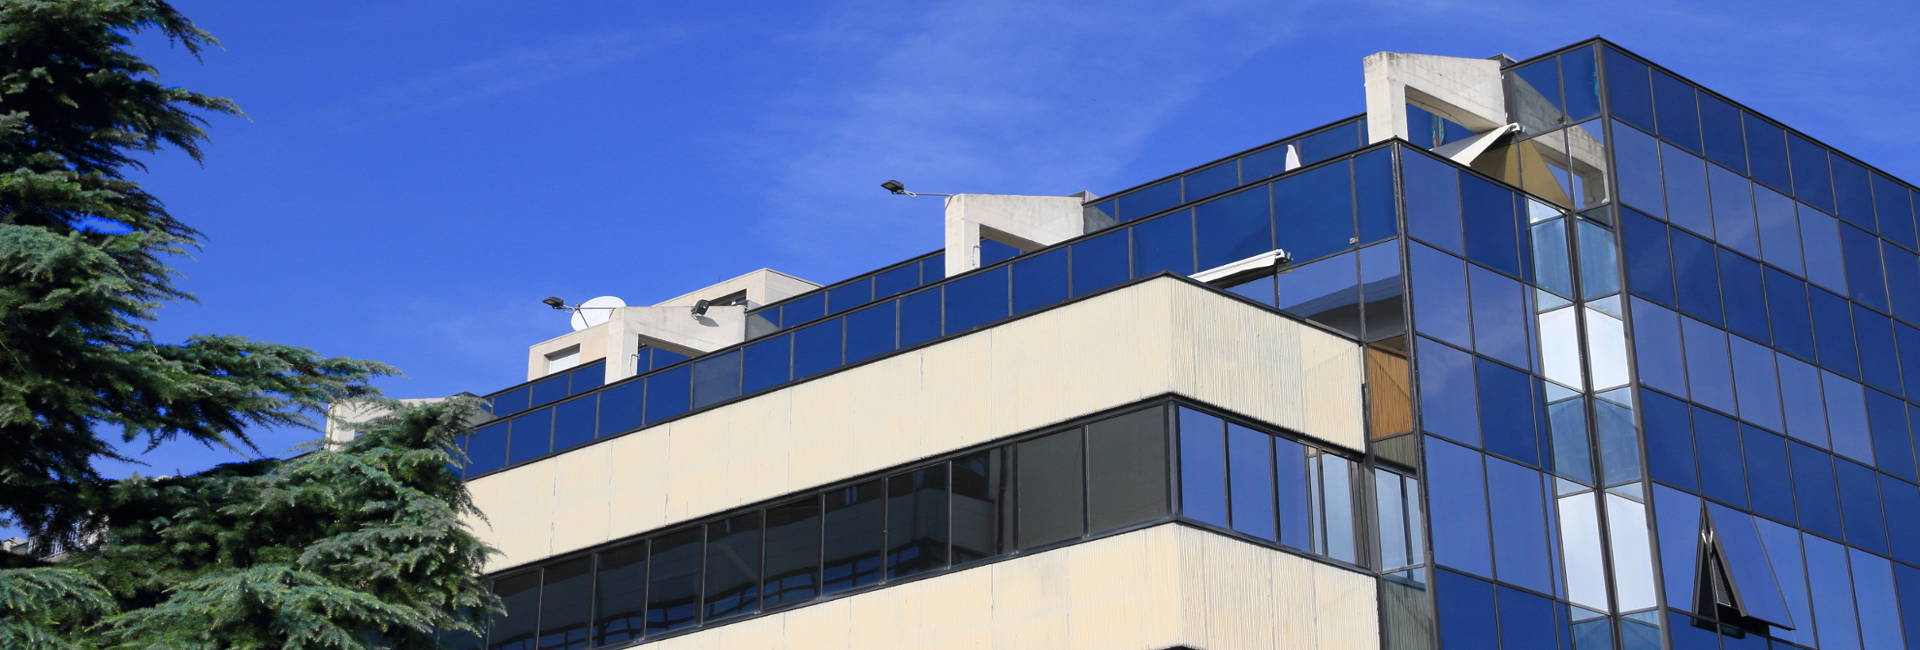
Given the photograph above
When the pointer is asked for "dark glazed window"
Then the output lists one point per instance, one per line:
(793, 552)
(1767, 149)
(1720, 123)
(765, 364)
(1750, 568)
(587, 378)
(1295, 493)
(1440, 306)
(1892, 448)
(981, 500)
(1879, 362)
(668, 393)
(1903, 275)
(549, 389)
(716, 378)
(917, 521)
(1049, 489)
(1670, 456)
(1213, 180)
(816, 349)
(1326, 292)
(1457, 496)
(993, 252)
(1649, 264)
(1656, 347)
(1903, 499)
(849, 295)
(1860, 506)
(1447, 392)
(1203, 467)
(1150, 199)
(1787, 309)
(1766, 456)
(1581, 78)
(1324, 144)
(1629, 96)
(1381, 291)
(1500, 317)
(1313, 212)
(1493, 236)
(1533, 93)
(1694, 270)
(1638, 158)
(1099, 262)
(1813, 490)
(933, 269)
(1709, 371)
(1039, 280)
(893, 282)
(532, 436)
(920, 317)
(1233, 227)
(1518, 508)
(565, 598)
(487, 449)
(1891, 205)
(1433, 200)
(1862, 255)
(1127, 469)
(855, 536)
(1250, 473)
(620, 594)
(870, 332)
(733, 566)
(573, 422)
(1466, 611)
(1779, 230)
(1506, 412)
(1833, 331)
(1745, 295)
(673, 587)
(1722, 474)
(1373, 192)
(976, 300)
(510, 402)
(1679, 114)
(1688, 204)
(804, 308)
(1852, 193)
(1163, 244)
(1733, 224)
(1811, 183)
(520, 595)
(621, 406)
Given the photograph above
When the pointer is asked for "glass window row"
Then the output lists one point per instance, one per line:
(549, 389)
(1038, 491)
(833, 299)
(1257, 165)
(1312, 213)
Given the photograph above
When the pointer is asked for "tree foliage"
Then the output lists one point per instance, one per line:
(334, 548)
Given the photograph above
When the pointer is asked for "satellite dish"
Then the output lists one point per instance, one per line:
(595, 311)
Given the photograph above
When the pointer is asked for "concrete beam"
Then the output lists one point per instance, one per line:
(1023, 222)
(1467, 91)
(673, 327)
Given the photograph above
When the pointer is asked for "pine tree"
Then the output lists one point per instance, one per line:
(347, 547)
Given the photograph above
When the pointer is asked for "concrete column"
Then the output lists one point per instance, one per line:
(1024, 222)
(1467, 91)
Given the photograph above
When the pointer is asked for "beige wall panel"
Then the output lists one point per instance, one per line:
(1030, 602)
(1113, 349)
(826, 626)
(1338, 595)
(1093, 586)
(1294, 617)
(1238, 611)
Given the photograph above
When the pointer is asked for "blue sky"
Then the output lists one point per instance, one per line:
(415, 176)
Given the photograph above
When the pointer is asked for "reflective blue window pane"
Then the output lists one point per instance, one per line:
(573, 422)
(1456, 494)
(1749, 566)
(1779, 229)
(1657, 347)
(1908, 340)
(803, 309)
(1832, 594)
(1295, 493)
(1148, 200)
(1722, 473)
(1893, 209)
(1321, 145)
(1100, 262)
(1203, 467)
(895, 281)
(1163, 244)
(976, 300)
(1902, 499)
(1212, 180)
(1466, 611)
(549, 389)
(1440, 306)
(1313, 212)
(1696, 275)
(1783, 546)
(532, 436)
(1733, 224)
(1250, 472)
(1518, 511)
(1669, 440)
(1677, 521)
(1382, 289)
(1506, 412)
(1744, 294)
(1709, 373)
(1638, 157)
(1039, 280)
(1805, 409)
(1432, 190)
(1499, 316)
(1629, 94)
(1599, 263)
(1852, 193)
(621, 407)
(1268, 162)
(587, 378)
(1526, 620)
(1788, 312)
(1233, 227)
(1679, 115)
(1649, 263)
(1720, 123)
(1833, 332)
(1766, 456)
(669, 393)
(1493, 236)
(869, 332)
(1873, 593)
(1374, 195)
(1860, 506)
(487, 449)
(1847, 417)
(1908, 581)
(932, 269)
(920, 316)
(1811, 183)
(1820, 242)
(816, 349)
(1326, 292)
(993, 252)
(1862, 254)
(1813, 490)
(716, 378)
(1447, 392)
(1879, 361)
(1581, 78)
(510, 402)
(1688, 204)
(1903, 281)
(1767, 150)
(850, 295)
(765, 363)
(1552, 266)
(663, 357)
(1756, 385)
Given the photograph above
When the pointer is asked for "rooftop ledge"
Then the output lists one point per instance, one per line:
(1152, 337)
